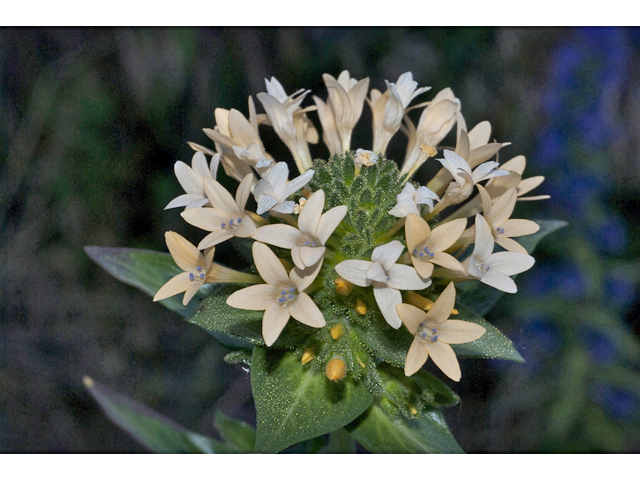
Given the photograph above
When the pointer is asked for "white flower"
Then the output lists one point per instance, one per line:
(192, 181)
(227, 218)
(346, 96)
(281, 297)
(386, 276)
(434, 334)
(434, 124)
(198, 269)
(427, 247)
(289, 121)
(494, 269)
(364, 158)
(389, 108)
(315, 228)
(409, 199)
(330, 134)
(463, 178)
(272, 192)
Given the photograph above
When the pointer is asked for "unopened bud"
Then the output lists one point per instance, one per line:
(424, 303)
(336, 332)
(361, 307)
(343, 287)
(308, 355)
(336, 369)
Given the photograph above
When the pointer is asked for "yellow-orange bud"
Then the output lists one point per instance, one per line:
(424, 303)
(336, 369)
(413, 410)
(343, 287)
(308, 355)
(361, 307)
(336, 332)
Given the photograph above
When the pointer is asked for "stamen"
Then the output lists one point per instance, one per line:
(198, 268)
(283, 292)
(427, 333)
(293, 289)
(239, 220)
(231, 222)
(191, 277)
(415, 252)
(500, 230)
(222, 225)
(202, 275)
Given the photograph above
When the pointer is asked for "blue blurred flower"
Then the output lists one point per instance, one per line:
(620, 403)
(611, 237)
(602, 350)
(551, 148)
(620, 290)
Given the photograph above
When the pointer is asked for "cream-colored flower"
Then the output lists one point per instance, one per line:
(192, 180)
(434, 333)
(427, 247)
(501, 225)
(434, 124)
(281, 297)
(463, 178)
(516, 165)
(473, 147)
(315, 228)
(272, 192)
(389, 108)
(386, 276)
(198, 270)
(227, 218)
(494, 269)
(346, 96)
(364, 158)
(289, 121)
(409, 199)
(330, 133)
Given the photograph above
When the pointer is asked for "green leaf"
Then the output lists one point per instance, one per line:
(493, 344)
(379, 432)
(146, 270)
(482, 298)
(239, 435)
(156, 432)
(295, 402)
(217, 317)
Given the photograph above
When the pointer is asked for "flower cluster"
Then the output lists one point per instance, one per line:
(344, 246)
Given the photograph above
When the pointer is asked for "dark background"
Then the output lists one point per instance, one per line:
(93, 120)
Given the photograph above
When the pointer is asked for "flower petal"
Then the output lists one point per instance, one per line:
(265, 203)
(274, 320)
(287, 206)
(424, 268)
(459, 331)
(411, 316)
(255, 297)
(244, 189)
(354, 271)
(297, 183)
(445, 358)
(446, 234)
(387, 254)
(387, 300)
(184, 253)
(416, 357)
(479, 135)
(184, 200)
(329, 221)
(510, 263)
(500, 281)
(310, 216)
(269, 266)
(447, 261)
(303, 277)
(247, 228)
(280, 235)
(484, 239)
(404, 277)
(214, 238)
(510, 245)
(311, 255)
(417, 231)
(306, 311)
(376, 273)
(443, 305)
(178, 284)
(518, 227)
(220, 198)
(190, 180)
(205, 218)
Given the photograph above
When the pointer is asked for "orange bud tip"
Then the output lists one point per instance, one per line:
(308, 355)
(336, 369)
(343, 287)
(336, 332)
(361, 307)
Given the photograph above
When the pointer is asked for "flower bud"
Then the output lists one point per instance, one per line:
(336, 369)
(361, 307)
(308, 355)
(343, 287)
(336, 332)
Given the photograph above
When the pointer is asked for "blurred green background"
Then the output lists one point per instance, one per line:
(93, 121)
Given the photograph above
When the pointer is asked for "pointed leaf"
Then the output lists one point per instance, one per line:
(156, 432)
(239, 435)
(294, 402)
(379, 432)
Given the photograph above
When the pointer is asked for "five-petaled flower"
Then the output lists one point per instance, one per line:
(281, 297)
(409, 199)
(191, 179)
(386, 276)
(434, 333)
(272, 191)
(314, 229)
(227, 218)
(198, 269)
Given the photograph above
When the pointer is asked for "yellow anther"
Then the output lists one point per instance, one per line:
(336, 332)
(431, 151)
(308, 355)
(413, 410)
(343, 287)
(424, 303)
(336, 369)
(297, 208)
(361, 307)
